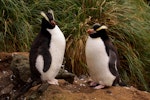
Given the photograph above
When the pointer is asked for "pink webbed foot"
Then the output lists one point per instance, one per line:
(99, 87)
(93, 84)
(54, 82)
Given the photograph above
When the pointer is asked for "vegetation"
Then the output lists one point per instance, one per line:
(128, 22)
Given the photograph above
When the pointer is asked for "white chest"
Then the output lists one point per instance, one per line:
(57, 50)
(98, 61)
(57, 40)
(57, 46)
(95, 50)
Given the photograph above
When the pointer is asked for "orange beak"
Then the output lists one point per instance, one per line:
(90, 31)
(53, 22)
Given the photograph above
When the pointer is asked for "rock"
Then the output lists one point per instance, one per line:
(63, 74)
(21, 75)
(21, 70)
(5, 86)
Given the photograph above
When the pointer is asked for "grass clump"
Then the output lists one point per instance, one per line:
(16, 29)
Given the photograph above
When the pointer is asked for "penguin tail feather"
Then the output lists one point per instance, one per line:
(121, 83)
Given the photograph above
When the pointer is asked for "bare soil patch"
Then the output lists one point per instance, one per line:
(79, 90)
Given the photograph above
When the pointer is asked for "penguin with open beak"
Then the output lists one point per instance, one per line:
(102, 58)
(47, 51)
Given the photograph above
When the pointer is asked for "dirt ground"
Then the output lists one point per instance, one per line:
(79, 90)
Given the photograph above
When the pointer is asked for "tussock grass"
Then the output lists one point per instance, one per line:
(128, 22)
(16, 30)
(75, 55)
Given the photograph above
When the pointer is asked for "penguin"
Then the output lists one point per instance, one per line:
(101, 57)
(47, 51)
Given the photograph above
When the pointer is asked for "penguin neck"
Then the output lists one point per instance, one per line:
(102, 34)
(46, 30)
(45, 33)
(55, 31)
(55, 28)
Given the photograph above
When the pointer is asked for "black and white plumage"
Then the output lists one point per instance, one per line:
(47, 51)
(102, 57)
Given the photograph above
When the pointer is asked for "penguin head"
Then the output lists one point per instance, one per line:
(48, 20)
(97, 28)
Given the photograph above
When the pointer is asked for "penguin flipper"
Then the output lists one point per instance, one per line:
(113, 63)
(47, 61)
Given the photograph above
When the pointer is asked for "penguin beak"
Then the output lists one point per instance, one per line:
(52, 22)
(90, 31)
